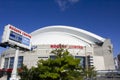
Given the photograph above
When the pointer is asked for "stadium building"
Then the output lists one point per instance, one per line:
(92, 49)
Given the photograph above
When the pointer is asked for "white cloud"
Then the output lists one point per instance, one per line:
(64, 4)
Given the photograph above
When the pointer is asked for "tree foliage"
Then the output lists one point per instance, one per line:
(63, 67)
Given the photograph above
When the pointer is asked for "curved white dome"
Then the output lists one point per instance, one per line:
(64, 35)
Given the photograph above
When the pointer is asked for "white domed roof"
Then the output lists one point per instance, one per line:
(64, 35)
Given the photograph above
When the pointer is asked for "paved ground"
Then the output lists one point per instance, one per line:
(3, 78)
(108, 78)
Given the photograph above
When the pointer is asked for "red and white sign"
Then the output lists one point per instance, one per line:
(12, 28)
(67, 46)
(15, 36)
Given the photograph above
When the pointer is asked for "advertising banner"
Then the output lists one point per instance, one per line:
(15, 36)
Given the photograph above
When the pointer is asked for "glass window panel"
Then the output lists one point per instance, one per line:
(82, 60)
(11, 62)
(6, 63)
(20, 61)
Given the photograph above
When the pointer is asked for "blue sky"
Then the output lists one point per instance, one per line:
(101, 17)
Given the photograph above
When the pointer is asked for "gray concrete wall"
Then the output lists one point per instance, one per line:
(106, 50)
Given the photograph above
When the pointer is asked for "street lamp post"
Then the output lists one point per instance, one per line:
(14, 71)
(86, 62)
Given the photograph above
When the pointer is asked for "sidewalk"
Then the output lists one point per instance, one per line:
(3, 78)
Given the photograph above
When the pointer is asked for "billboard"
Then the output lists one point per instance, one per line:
(15, 36)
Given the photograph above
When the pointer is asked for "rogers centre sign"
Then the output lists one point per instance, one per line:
(19, 31)
(67, 46)
(15, 36)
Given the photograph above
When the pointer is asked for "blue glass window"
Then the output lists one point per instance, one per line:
(11, 62)
(82, 60)
(52, 57)
(6, 63)
(20, 61)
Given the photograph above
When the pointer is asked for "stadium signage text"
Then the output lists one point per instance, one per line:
(67, 46)
(19, 31)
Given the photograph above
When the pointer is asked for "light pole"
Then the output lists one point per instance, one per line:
(14, 71)
(86, 62)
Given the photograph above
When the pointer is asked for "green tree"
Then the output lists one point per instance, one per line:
(60, 68)
(89, 72)
(28, 74)
(63, 67)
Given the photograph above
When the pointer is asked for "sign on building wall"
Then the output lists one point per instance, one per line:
(66, 46)
(15, 36)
